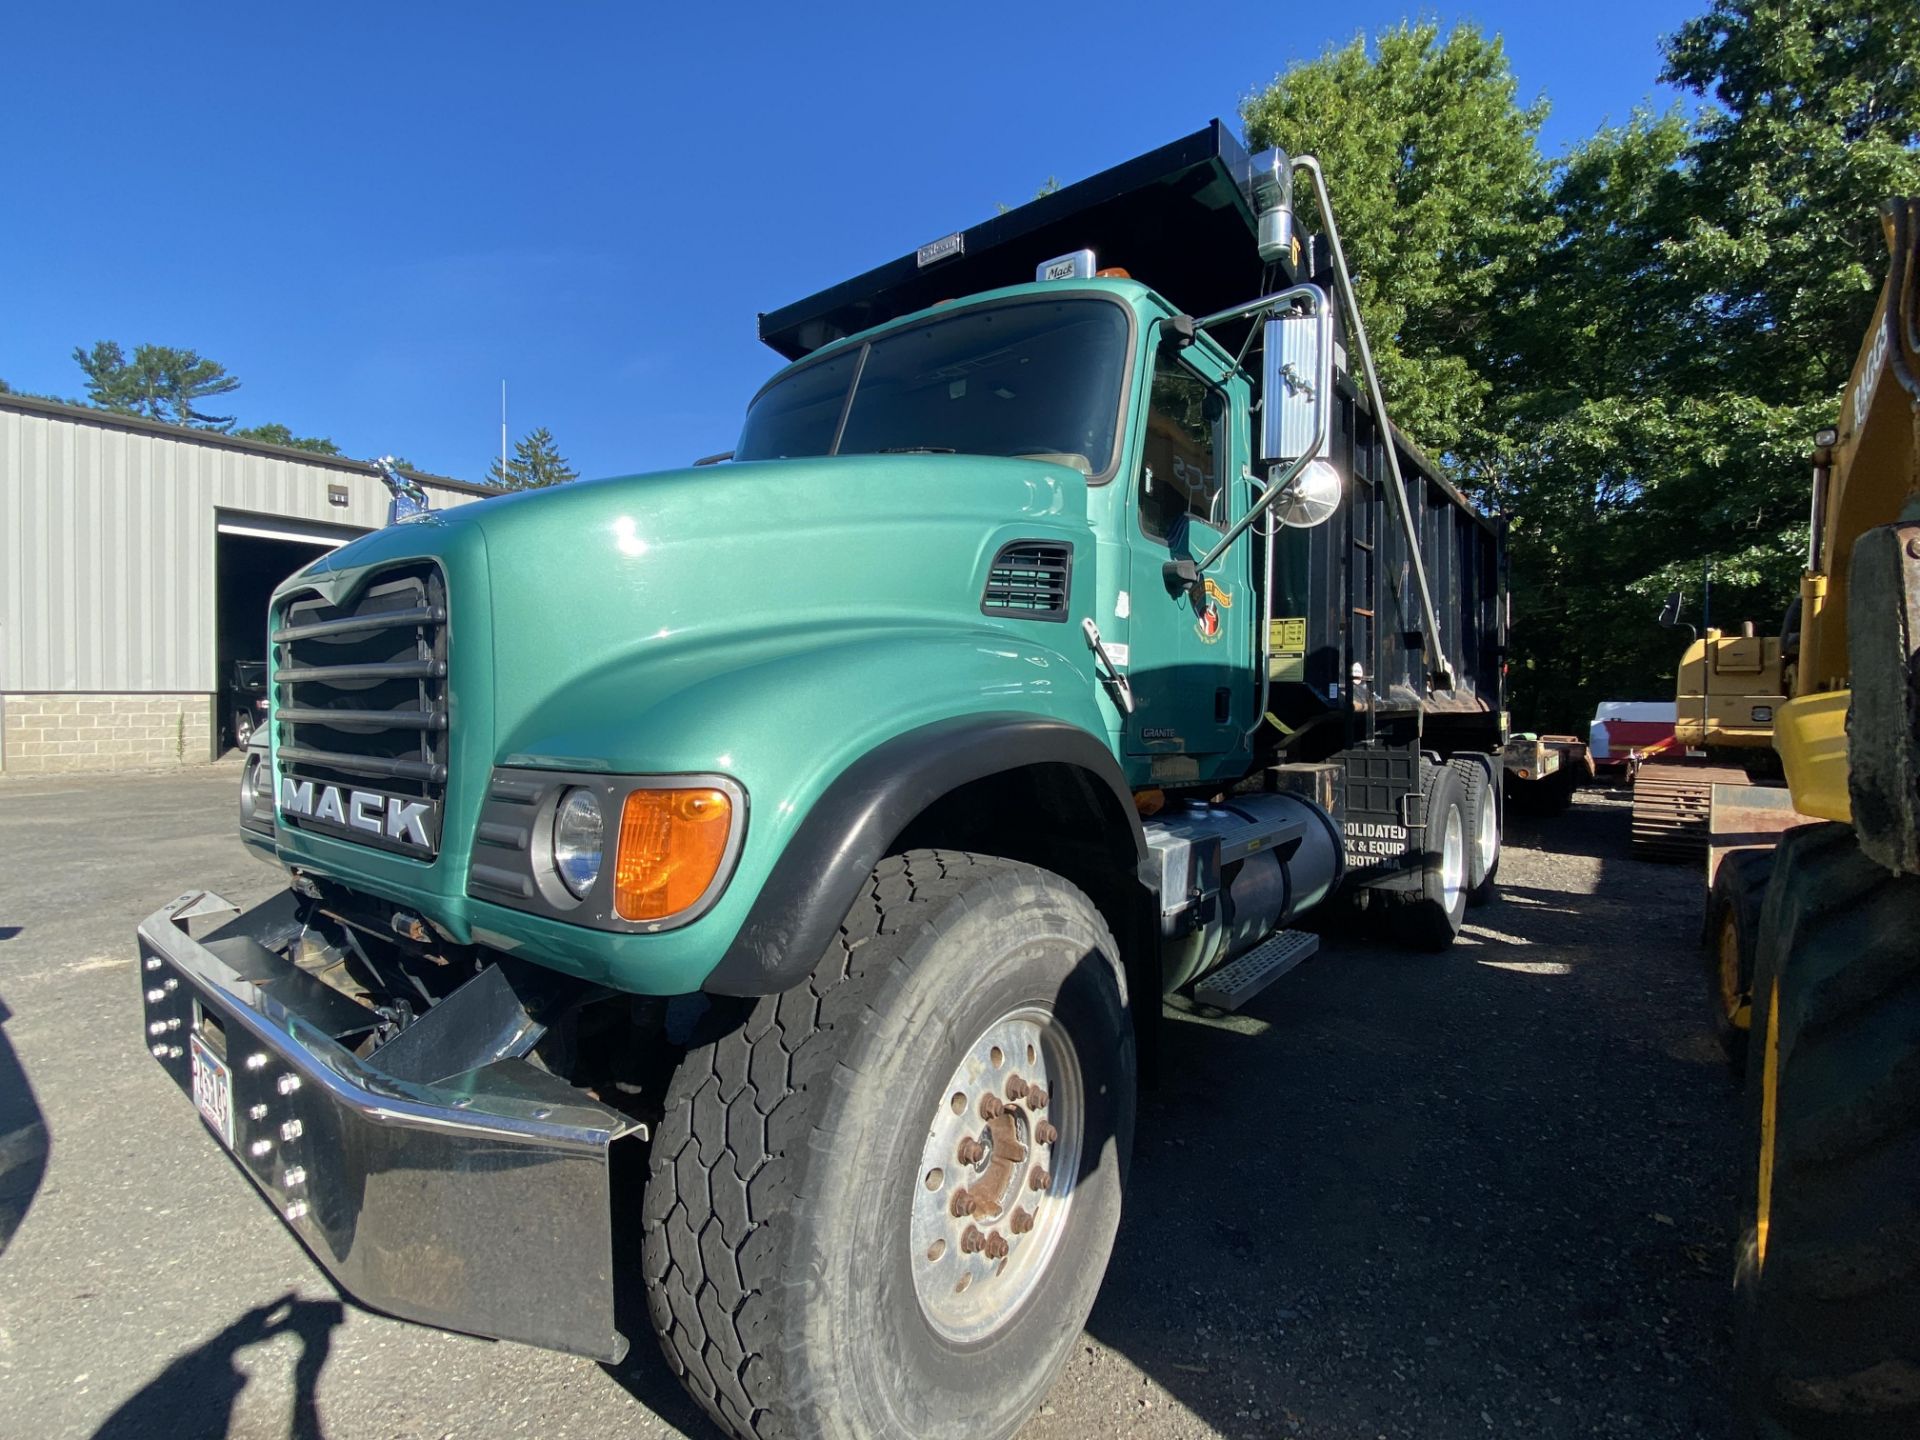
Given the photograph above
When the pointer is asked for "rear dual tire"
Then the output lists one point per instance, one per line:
(1430, 918)
(1482, 801)
(800, 1279)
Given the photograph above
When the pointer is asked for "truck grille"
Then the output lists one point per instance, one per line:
(360, 698)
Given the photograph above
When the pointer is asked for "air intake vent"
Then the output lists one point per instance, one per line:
(1029, 581)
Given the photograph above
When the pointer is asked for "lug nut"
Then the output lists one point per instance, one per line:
(990, 1106)
(962, 1202)
(972, 1242)
(972, 1152)
(996, 1246)
(1016, 1087)
(1038, 1179)
(1036, 1098)
(1044, 1134)
(1020, 1222)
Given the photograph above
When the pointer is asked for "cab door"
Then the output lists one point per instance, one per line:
(1191, 668)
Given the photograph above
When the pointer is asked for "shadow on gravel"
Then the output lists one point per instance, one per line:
(1485, 1192)
(194, 1395)
(24, 1144)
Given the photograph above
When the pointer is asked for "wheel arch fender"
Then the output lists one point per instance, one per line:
(874, 801)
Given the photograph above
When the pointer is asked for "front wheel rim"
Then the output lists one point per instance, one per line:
(1735, 1005)
(995, 1185)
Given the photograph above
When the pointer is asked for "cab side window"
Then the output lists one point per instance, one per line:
(1180, 476)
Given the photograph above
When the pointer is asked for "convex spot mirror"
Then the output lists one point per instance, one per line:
(1312, 498)
(1670, 612)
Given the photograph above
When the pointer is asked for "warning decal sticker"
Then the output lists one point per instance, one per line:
(1287, 648)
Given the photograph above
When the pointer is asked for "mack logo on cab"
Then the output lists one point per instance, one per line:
(388, 816)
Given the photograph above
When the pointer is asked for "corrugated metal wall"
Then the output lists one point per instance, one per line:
(107, 546)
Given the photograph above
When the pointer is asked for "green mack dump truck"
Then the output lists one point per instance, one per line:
(831, 819)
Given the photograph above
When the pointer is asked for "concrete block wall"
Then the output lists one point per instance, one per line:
(43, 734)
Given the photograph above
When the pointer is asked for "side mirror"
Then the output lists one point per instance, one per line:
(1296, 386)
(1182, 575)
(1670, 612)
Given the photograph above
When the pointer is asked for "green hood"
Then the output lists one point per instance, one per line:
(769, 621)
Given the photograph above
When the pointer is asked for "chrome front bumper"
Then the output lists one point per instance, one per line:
(477, 1203)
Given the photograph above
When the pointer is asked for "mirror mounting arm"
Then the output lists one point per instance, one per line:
(1314, 300)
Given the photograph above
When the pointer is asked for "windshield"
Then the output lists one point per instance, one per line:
(1039, 379)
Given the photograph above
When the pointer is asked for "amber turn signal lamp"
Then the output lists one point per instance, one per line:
(671, 846)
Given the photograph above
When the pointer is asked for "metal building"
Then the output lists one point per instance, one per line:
(136, 559)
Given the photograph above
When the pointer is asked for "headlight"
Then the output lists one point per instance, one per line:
(256, 787)
(578, 839)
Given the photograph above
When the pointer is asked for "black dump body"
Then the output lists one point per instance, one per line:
(1346, 603)
(1175, 218)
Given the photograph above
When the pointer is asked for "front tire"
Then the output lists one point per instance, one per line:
(1730, 937)
(796, 1250)
(1827, 1286)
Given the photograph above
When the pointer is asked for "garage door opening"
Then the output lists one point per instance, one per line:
(247, 568)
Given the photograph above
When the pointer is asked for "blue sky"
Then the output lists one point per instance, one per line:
(375, 215)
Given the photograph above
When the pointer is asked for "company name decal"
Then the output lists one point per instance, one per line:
(392, 817)
(1376, 842)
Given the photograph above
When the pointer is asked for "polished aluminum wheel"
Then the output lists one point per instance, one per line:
(1487, 841)
(1453, 859)
(996, 1177)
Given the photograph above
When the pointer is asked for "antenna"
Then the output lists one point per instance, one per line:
(503, 432)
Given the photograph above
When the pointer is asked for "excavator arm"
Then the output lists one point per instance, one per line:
(1827, 1286)
(1860, 584)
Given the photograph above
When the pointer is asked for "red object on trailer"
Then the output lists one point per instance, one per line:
(1626, 730)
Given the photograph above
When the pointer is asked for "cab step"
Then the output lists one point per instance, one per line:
(1231, 986)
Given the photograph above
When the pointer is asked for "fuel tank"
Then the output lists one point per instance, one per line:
(1233, 873)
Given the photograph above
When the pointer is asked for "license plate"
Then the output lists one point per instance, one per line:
(213, 1090)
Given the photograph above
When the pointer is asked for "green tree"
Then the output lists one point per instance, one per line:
(275, 434)
(1673, 351)
(1814, 119)
(1437, 182)
(159, 382)
(536, 462)
(1627, 351)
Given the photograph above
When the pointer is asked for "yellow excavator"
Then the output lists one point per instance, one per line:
(1820, 935)
(1727, 690)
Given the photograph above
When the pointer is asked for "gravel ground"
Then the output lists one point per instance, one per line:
(1485, 1193)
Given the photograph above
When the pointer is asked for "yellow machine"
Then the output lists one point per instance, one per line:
(1726, 693)
(1828, 1277)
